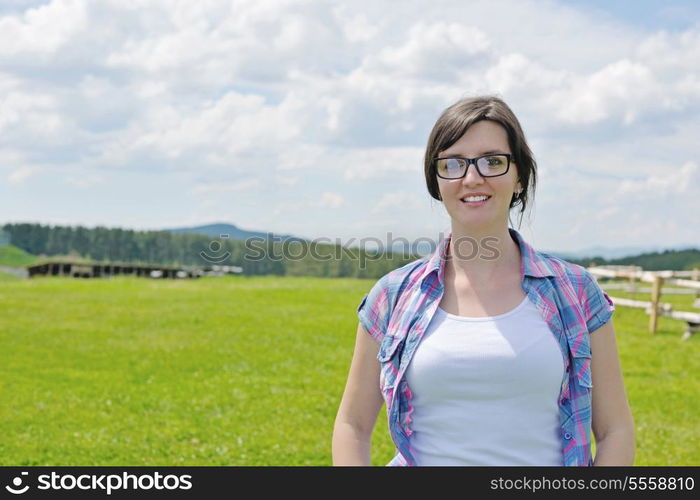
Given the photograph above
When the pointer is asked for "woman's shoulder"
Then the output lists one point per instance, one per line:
(377, 305)
(581, 279)
(563, 268)
(397, 279)
(597, 306)
(542, 263)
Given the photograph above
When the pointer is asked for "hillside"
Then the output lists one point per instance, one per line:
(676, 260)
(12, 256)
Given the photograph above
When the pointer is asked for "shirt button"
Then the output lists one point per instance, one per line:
(567, 435)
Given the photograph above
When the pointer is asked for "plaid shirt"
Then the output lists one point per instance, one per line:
(397, 310)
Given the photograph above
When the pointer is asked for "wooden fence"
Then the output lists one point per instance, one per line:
(658, 279)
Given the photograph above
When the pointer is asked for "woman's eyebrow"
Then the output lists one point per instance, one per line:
(491, 152)
(495, 151)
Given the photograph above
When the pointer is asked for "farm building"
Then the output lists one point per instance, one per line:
(82, 269)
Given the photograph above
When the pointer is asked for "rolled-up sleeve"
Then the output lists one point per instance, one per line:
(373, 311)
(598, 306)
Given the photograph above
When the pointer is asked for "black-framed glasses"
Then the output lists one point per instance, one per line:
(455, 167)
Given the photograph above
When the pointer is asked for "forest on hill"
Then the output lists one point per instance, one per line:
(255, 255)
(675, 260)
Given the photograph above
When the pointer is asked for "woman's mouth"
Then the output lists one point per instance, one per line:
(475, 201)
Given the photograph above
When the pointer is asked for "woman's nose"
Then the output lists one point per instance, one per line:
(472, 176)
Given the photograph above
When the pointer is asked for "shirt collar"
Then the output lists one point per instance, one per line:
(532, 263)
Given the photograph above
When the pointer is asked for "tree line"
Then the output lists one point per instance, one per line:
(675, 260)
(293, 258)
(255, 256)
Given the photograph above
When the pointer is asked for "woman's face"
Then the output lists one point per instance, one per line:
(483, 137)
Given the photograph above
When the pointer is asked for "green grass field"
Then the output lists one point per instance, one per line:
(241, 371)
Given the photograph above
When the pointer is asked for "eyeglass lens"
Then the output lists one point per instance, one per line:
(488, 166)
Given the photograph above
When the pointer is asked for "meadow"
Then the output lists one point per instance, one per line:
(243, 371)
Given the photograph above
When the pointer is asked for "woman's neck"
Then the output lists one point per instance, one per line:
(482, 257)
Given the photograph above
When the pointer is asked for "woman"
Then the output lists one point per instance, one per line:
(488, 352)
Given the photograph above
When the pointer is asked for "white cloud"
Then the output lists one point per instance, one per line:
(225, 187)
(370, 163)
(224, 129)
(624, 90)
(670, 180)
(435, 51)
(328, 200)
(23, 113)
(663, 50)
(515, 72)
(85, 181)
(287, 181)
(21, 174)
(42, 30)
(355, 26)
(397, 201)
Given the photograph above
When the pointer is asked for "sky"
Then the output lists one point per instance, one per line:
(311, 117)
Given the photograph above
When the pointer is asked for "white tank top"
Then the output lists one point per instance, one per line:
(485, 390)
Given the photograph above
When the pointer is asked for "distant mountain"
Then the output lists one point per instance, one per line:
(616, 252)
(233, 232)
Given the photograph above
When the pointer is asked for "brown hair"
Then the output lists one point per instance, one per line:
(455, 121)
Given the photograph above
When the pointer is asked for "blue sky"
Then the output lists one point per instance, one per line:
(310, 117)
(652, 15)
